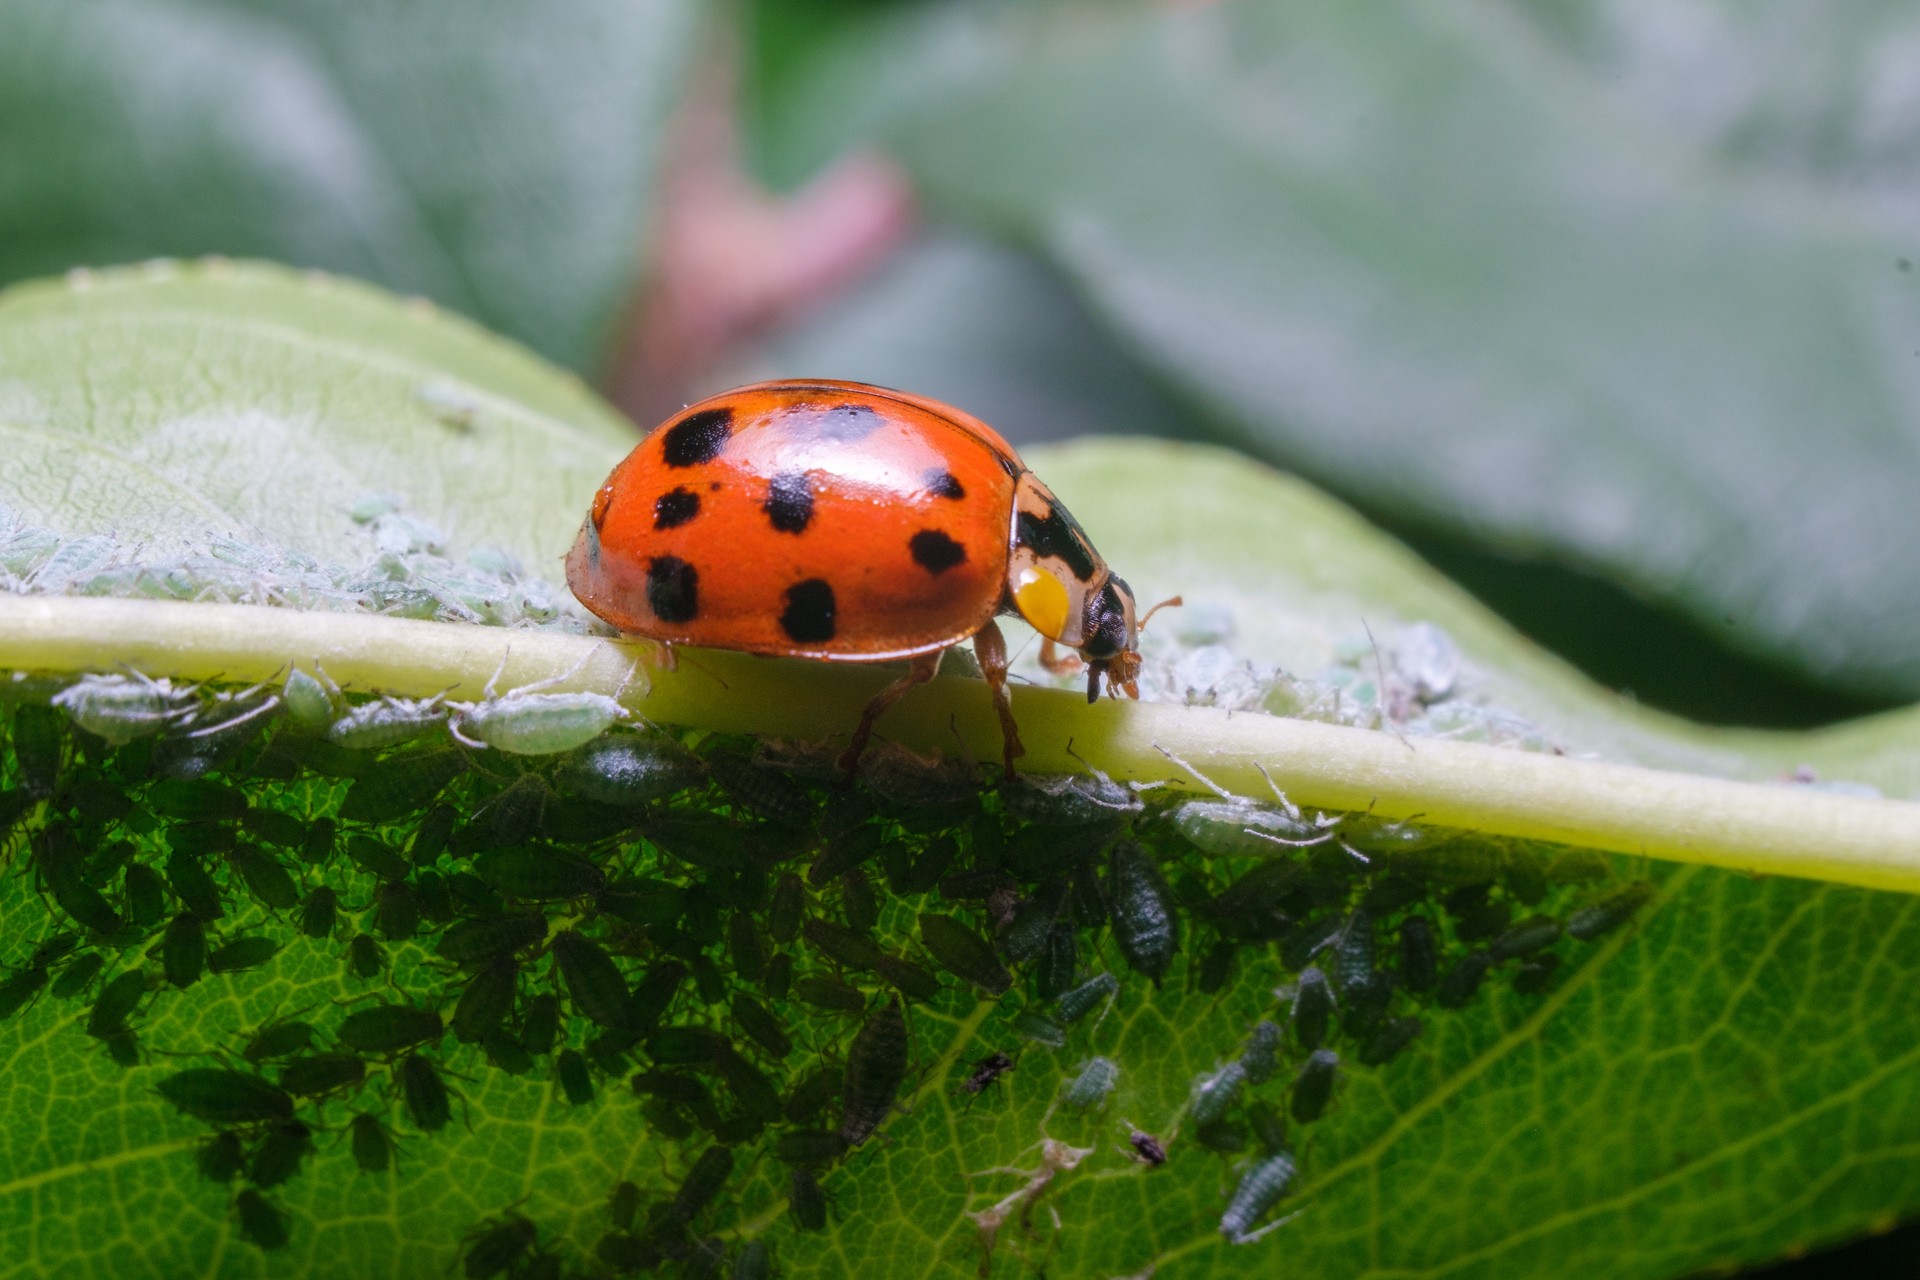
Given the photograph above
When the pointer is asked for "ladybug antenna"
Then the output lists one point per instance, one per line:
(1171, 602)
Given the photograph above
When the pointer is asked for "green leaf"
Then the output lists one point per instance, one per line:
(1735, 1027)
(488, 156)
(1451, 262)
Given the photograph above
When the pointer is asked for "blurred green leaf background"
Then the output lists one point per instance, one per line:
(1608, 307)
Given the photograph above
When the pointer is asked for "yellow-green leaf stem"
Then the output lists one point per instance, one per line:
(1769, 830)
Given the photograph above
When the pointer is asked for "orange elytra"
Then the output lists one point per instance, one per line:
(848, 523)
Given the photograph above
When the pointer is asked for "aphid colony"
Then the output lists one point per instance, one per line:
(734, 950)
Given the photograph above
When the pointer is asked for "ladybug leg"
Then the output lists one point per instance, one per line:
(1055, 662)
(991, 648)
(923, 670)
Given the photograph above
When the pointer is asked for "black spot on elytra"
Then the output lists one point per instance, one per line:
(943, 484)
(673, 589)
(789, 504)
(809, 615)
(697, 438)
(674, 508)
(935, 552)
(1056, 535)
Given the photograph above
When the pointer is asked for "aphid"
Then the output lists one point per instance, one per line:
(702, 1183)
(930, 865)
(761, 791)
(761, 1026)
(789, 904)
(778, 981)
(123, 1047)
(1148, 1148)
(622, 1203)
(474, 943)
(909, 979)
(986, 1071)
(424, 1093)
(279, 1154)
(844, 852)
(526, 722)
(538, 874)
(1534, 975)
(396, 910)
(1145, 926)
(1314, 1085)
(493, 1250)
(627, 770)
(1578, 866)
(842, 945)
(374, 857)
(220, 1157)
(1609, 913)
(539, 1026)
(486, 1001)
(116, 1001)
(1355, 951)
(836, 560)
(316, 1073)
(372, 1144)
(1261, 1054)
(319, 913)
(1214, 1095)
(75, 978)
(195, 800)
(1524, 873)
(1221, 1135)
(264, 1226)
(222, 1097)
(677, 1046)
(1313, 1005)
(119, 709)
(193, 886)
(812, 1147)
(472, 897)
(1388, 1039)
(593, 981)
(1089, 1089)
(963, 953)
(1075, 1004)
(681, 1090)
(35, 737)
(575, 1080)
(366, 958)
(183, 950)
(62, 867)
(508, 1054)
(1462, 981)
(829, 994)
(317, 847)
(1308, 939)
(1267, 1127)
(200, 839)
(390, 1028)
(806, 1201)
(857, 901)
(1217, 967)
(1535, 933)
(146, 895)
(1260, 1189)
(1419, 954)
(876, 1064)
(1031, 1024)
(431, 895)
(278, 1040)
(750, 1087)
(653, 994)
(276, 828)
(754, 1261)
(308, 702)
(386, 722)
(18, 991)
(1487, 920)
(242, 953)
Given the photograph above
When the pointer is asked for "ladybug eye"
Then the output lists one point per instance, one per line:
(1042, 601)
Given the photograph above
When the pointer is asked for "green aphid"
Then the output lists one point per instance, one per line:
(18, 991)
(1259, 1190)
(120, 709)
(829, 994)
(191, 884)
(1142, 913)
(702, 1183)
(806, 1201)
(622, 1203)
(74, 979)
(762, 791)
(390, 1028)
(653, 994)
(487, 1001)
(376, 858)
(220, 1157)
(115, 1003)
(279, 1154)
(788, 907)
(576, 1080)
(506, 1052)
(761, 1026)
(1579, 866)
(35, 738)
(308, 703)
(242, 954)
(809, 1147)
(264, 877)
(183, 950)
(195, 800)
(1533, 977)
(629, 770)
(963, 953)
(539, 1025)
(525, 723)
(263, 1225)
(876, 1065)
(909, 979)
(750, 1087)
(1462, 982)
(1388, 1039)
(1261, 1053)
(1308, 939)
(145, 894)
(318, 845)
(314, 1074)
(319, 913)
(372, 1144)
(282, 830)
(686, 1046)
(366, 958)
(494, 1249)
(1214, 1095)
(278, 1040)
(1225, 828)
(1609, 913)
(593, 981)
(222, 1097)
(778, 980)
(1078, 1002)
(811, 1096)
(539, 873)
(1089, 1089)
(424, 1093)
(1031, 1024)
(858, 905)
(1535, 933)
(744, 948)
(1419, 954)
(386, 722)
(1313, 1085)
(474, 943)
(62, 868)
(396, 910)
(1216, 967)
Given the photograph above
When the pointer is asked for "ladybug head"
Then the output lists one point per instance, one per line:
(1112, 648)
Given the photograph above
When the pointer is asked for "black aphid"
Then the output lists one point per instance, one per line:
(492, 1250)
(424, 1093)
(841, 945)
(263, 1225)
(1314, 1085)
(811, 1147)
(1148, 1148)
(320, 913)
(390, 1028)
(473, 943)
(487, 1000)
(1609, 913)
(193, 886)
(365, 957)
(963, 953)
(540, 1025)
(74, 979)
(1388, 1039)
(372, 1144)
(279, 1154)
(278, 1040)
(909, 979)
(761, 1026)
(702, 1183)
(653, 994)
(826, 993)
(986, 1071)
(789, 905)
(1312, 1008)
(396, 910)
(1462, 981)
(264, 877)
(375, 857)
(750, 1087)
(146, 895)
(1419, 954)
(576, 1081)
(1145, 926)
(183, 950)
(806, 1201)
(318, 1073)
(241, 954)
(536, 873)
(876, 1065)
(593, 981)
(1535, 974)
(220, 1157)
(222, 1097)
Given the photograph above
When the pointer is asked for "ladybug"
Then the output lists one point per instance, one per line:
(849, 523)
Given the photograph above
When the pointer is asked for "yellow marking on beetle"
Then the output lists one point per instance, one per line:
(1042, 601)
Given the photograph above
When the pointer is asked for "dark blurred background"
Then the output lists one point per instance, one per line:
(1607, 307)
